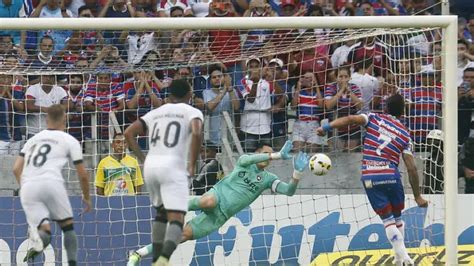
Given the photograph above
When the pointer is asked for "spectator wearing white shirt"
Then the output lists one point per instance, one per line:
(139, 43)
(255, 123)
(38, 98)
(464, 59)
(367, 83)
(339, 57)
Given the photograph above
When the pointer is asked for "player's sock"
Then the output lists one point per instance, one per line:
(193, 204)
(146, 250)
(70, 243)
(396, 239)
(400, 225)
(158, 235)
(45, 237)
(173, 236)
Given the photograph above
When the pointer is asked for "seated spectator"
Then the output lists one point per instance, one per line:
(220, 97)
(368, 84)
(210, 171)
(309, 103)
(465, 60)
(53, 9)
(344, 99)
(434, 164)
(119, 173)
(9, 104)
(465, 105)
(467, 164)
(79, 122)
(38, 98)
(255, 124)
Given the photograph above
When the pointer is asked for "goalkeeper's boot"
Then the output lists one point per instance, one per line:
(31, 255)
(133, 258)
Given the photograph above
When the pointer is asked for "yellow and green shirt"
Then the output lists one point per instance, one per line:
(118, 178)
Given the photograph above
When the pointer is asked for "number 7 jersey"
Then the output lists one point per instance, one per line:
(169, 130)
(385, 141)
(46, 153)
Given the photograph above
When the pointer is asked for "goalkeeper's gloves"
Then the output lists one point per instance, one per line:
(284, 153)
(300, 163)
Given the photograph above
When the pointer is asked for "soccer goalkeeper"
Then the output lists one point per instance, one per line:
(235, 192)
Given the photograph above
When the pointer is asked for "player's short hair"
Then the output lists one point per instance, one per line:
(56, 112)
(396, 105)
(179, 88)
(261, 144)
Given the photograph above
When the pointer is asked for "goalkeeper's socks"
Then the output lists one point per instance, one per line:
(193, 204)
(173, 236)
(145, 251)
(45, 237)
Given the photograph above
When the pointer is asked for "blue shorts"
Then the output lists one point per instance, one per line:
(386, 195)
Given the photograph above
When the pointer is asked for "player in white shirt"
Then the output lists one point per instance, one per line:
(172, 129)
(42, 191)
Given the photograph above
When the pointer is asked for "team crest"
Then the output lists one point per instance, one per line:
(259, 178)
(241, 174)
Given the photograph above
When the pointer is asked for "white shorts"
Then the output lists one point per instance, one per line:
(167, 186)
(43, 201)
(305, 131)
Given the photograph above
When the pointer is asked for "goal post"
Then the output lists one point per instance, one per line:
(449, 56)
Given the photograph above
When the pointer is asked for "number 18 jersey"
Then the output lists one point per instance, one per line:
(46, 153)
(169, 133)
(386, 139)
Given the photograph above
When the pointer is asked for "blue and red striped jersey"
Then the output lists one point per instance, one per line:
(308, 108)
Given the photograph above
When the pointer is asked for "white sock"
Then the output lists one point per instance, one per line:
(400, 226)
(145, 251)
(396, 239)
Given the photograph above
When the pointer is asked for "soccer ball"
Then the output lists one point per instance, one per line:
(319, 164)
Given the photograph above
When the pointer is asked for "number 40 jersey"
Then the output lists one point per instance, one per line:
(169, 133)
(385, 141)
(46, 153)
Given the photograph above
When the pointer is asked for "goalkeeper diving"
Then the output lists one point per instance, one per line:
(238, 190)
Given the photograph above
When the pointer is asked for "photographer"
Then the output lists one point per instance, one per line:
(466, 105)
(109, 57)
(210, 171)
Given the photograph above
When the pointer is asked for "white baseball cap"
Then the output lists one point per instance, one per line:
(277, 61)
(252, 57)
(436, 134)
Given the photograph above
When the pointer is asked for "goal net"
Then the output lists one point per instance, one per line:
(108, 78)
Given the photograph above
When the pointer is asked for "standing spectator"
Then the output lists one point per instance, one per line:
(466, 105)
(275, 73)
(53, 9)
(200, 8)
(210, 171)
(344, 99)
(38, 98)
(256, 38)
(309, 102)
(13, 9)
(119, 173)
(167, 5)
(143, 96)
(368, 84)
(255, 124)
(79, 122)
(91, 5)
(467, 164)
(387, 89)
(44, 59)
(340, 55)
(434, 164)
(8, 47)
(8, 105)
(217, 99)
(139, 43)
(464, 59)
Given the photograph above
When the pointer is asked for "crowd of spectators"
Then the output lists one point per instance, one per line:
(121, 75)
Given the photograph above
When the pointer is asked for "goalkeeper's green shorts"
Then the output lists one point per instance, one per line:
(208, 221)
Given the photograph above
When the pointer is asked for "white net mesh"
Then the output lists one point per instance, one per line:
(108, 79)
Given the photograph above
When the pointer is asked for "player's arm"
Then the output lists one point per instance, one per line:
(18, 168)
(196, 138)
(342, 122)
(84, 182)
(300, 163)
(135, 129)
(414, 179)
(249, 159)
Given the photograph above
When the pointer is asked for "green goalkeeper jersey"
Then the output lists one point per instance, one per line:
(244, 184)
